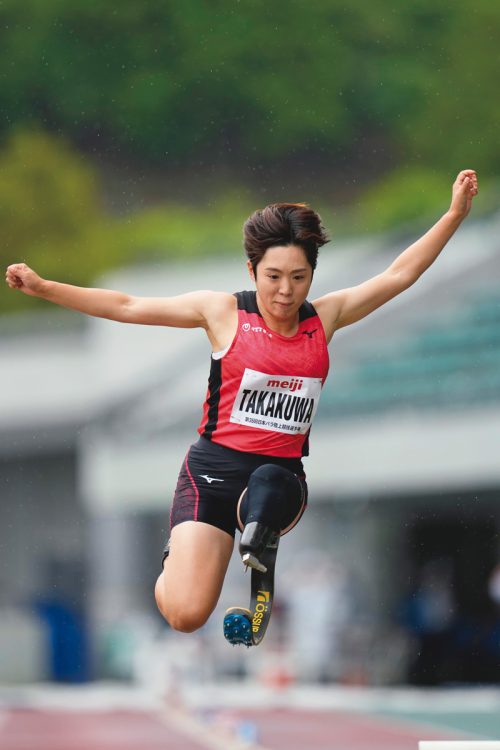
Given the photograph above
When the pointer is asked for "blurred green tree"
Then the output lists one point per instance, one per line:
(52, 218)
(254, 81)
(403, 95)
(49, 206)
(406, 196)
(459, 126)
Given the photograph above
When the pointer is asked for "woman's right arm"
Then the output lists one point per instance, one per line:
(191, 310)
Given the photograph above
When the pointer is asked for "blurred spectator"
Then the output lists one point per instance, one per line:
(429, 613)
(319, 611)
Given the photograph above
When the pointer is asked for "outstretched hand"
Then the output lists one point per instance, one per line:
(463, 191)
(22, 277)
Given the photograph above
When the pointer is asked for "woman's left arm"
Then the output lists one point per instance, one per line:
(339, 309)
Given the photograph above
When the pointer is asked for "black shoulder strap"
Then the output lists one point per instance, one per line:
(247, 301)
(306, 311)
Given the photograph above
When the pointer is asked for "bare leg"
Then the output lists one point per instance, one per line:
(189, 587)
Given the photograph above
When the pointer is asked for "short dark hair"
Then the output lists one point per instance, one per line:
(283, 224)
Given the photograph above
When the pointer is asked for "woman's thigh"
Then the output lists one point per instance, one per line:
(189, 587)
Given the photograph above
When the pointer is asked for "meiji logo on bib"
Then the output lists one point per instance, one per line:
(280, 403)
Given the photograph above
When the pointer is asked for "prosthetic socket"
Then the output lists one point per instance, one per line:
(271, 503)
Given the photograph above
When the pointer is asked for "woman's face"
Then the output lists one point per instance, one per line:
(284, 276)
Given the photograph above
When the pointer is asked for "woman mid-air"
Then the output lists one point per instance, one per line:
(269, 362)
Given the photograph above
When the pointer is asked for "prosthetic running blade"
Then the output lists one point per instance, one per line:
(248, 626)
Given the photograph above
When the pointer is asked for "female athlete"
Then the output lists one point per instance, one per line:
(269, 361)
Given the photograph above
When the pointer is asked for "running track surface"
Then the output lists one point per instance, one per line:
(29, 728)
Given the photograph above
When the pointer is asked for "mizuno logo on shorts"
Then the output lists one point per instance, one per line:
(210, 479)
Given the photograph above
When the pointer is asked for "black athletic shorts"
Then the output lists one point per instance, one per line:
(212, 479)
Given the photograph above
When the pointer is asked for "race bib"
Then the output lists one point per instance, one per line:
(280, 403)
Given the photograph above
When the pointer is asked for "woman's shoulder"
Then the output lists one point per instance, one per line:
(219, 299)
(219, 304)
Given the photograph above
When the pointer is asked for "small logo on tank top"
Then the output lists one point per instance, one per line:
(255, 329)
(310, 333)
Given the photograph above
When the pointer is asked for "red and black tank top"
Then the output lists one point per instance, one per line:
(263, 391)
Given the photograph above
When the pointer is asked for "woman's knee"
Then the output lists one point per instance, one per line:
(185, 620)
(185, 617)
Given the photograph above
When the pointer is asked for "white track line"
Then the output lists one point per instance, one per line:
(208, 736)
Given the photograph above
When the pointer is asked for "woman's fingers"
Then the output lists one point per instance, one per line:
(468, 179)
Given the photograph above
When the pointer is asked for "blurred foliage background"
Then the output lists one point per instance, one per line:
(141, 130)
